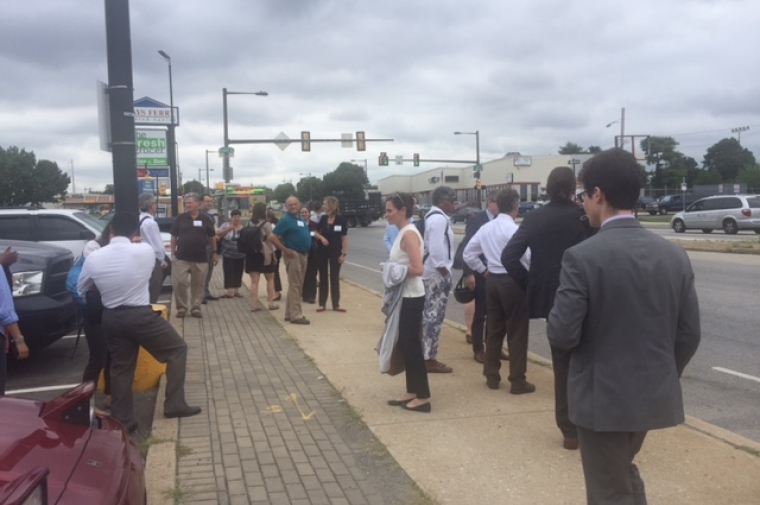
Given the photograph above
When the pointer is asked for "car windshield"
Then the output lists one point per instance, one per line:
(91, 221)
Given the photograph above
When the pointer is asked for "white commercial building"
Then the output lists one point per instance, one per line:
(526, 174)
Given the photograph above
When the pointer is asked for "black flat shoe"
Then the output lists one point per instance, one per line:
(399, 403)
(422, 407)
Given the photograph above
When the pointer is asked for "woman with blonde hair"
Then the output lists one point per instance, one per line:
(332, 232)
(263, 262)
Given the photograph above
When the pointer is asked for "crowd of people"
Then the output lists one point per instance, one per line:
(586, 271)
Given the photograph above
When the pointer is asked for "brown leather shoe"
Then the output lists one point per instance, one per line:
(435, 366)
(480, 357)
(504, 356)
(521, 387)
(570, 443)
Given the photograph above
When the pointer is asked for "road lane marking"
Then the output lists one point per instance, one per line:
(365, 268)
(40, 390)
(738, 374)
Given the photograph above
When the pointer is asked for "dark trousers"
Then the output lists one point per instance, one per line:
(156, 281)
(410, 322)
(99, 358)
(611, 477)
(127, 331)
(233, 272)
(328, 260)
(507, 315)
(310, 279)
(277, 281)
(479, 318)
(561, 366)
(210, 254)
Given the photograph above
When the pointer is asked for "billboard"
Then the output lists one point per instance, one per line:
(151, 148)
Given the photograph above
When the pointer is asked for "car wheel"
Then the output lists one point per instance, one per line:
(663, 212)
(678, 226)
(707, 230)
(652, 212)
(757, 230)
(730, 227)
(351, 222)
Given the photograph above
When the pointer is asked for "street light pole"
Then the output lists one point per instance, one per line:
(226, 156)
(208, 184)
(311, 196)
(738, 130)
(365, 164)
(477, 160)
(171, 141)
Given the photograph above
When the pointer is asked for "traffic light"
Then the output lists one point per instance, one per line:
(162, 189)
(478, 185)
(477, 174)
(305, 141)
(361, 145)
(416, 159)
(383, 160)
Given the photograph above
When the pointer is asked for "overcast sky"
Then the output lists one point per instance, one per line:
(529, 75)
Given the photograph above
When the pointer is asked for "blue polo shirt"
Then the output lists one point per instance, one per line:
(294, 233)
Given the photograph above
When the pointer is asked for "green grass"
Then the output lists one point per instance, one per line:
(151, 441)
(644, 217)
(178, 494)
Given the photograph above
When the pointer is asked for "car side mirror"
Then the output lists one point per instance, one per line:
(86, 235)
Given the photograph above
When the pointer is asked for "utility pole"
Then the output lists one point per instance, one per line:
(738, 130)
(73, 180)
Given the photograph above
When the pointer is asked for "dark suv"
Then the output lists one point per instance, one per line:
(671, 203)
(45, 308)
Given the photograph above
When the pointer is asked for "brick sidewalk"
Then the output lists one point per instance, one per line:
(273, 429)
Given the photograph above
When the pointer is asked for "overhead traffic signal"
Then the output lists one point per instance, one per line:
(361, 145)
(305, 141)
(383, 159)
(416, 159)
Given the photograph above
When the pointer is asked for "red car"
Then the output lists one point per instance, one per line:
(61, 452)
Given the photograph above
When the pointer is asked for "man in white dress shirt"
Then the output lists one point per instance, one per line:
(507, 311)
(151, 235)
(438, 259)
(121, 272)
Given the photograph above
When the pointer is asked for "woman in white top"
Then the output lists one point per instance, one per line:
(407, 250)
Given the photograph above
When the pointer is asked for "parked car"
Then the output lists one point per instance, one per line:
(45, 308)
(524, 208)
(643, 202)
(670, 203)
(731, 213)
(62, 452)
(71, 229)
(464, 214)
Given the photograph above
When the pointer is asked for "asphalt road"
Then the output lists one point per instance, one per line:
(722, 383)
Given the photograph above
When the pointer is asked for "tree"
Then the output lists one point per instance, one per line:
(347, 182)
(728, 158)
(26, 181)
(751, 177)
(284, 191)
(594, 149)
(108, 190)
(708, 178)
(193, 187)
(671, 167)
(310, 189)
(570, 148)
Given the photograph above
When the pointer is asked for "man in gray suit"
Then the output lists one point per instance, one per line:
(627, 309)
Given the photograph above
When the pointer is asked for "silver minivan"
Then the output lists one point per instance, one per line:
(731, 213)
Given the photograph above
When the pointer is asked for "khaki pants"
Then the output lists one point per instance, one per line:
(188, 274)
(296, 270)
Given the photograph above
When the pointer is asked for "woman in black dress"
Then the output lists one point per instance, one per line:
(263, 262)
(332, 233)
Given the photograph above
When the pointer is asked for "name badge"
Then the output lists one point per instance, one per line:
(197, 224)
(338, 228)
(313, 233)
(300, 223)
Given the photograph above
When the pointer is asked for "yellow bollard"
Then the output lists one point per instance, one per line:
(148, 370)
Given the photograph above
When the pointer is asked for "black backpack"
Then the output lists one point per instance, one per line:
(420, 225)
(250, 241)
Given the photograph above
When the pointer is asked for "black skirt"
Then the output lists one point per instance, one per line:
(255, 263)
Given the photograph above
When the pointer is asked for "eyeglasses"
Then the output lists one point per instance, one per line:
(582, 195)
